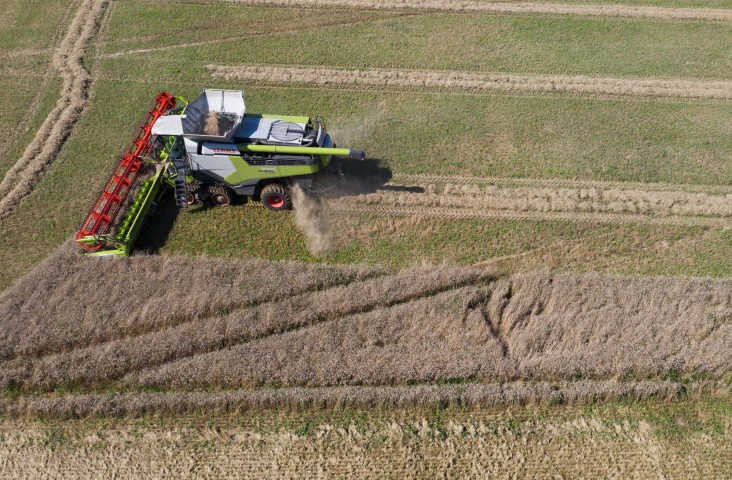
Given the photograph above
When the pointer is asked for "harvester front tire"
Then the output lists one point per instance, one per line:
(220, 196)
(275, 197)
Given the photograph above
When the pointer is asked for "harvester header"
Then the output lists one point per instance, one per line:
(209, 151)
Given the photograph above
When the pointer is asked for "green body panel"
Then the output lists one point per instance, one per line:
(125, 247)
(246, 147)
(284, 118)
(245, 172)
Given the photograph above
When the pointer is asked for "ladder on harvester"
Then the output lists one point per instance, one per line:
(94, 228)
(181, 190)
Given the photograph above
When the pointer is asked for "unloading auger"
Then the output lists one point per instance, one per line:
(208, 151)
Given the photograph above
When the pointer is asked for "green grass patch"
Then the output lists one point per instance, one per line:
(539, 45)
(135, 25)
(28, 24)
(20, 100)
(442, 134)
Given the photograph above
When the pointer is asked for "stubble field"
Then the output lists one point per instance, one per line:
(543, 221)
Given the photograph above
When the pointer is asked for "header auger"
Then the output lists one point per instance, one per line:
(209, 151)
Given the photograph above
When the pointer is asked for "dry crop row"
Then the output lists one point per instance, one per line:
(22, 177)
(556, 183)
(465, 214)
(405, 78)
(478, 200)
(518, 7)
(613, 200)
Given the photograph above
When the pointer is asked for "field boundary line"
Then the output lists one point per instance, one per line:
(515, 8)
(464, 214)
(505, 82)
(20, 180)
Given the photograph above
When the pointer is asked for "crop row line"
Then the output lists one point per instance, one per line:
(462, 214)
(470, 81)
(559, 183)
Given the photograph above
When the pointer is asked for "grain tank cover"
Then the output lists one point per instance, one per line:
(214, 115)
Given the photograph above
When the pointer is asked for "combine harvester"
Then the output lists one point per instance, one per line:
(207, 151)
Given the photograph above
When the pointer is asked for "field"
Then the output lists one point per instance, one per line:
(539, 239)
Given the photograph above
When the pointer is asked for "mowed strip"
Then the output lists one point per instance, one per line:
(518, 8)
(22, 177)
(406, 78)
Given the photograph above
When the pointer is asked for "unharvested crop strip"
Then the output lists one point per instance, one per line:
(518, 8)
(535, 327)
(145, 294)
(114, 359)
(464, 214)
(513, 83)
(22, 177)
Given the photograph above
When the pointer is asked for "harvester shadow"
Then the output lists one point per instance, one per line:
(156, 229)
(358, 178)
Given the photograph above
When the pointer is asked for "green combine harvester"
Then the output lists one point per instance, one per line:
(207, 151)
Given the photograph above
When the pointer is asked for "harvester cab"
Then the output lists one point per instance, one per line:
(208, 151)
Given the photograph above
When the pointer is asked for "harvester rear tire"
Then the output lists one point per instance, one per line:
(275, 197)
(220, 196)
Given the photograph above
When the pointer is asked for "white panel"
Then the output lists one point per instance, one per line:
(254, 128)
(168, 125)
(217, 164)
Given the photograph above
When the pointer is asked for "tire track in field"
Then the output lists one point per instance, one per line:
(251, 35)
(22, 177)
(32, 109)
(516, 8)
(473, 81)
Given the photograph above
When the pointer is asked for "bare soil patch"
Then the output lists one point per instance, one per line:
(404, 78)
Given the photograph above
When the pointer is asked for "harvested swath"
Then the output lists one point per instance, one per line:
(295, 399)
(406, 78)
(519, 7)
(534, 327)
(432, 339)
(556, 183)
(528, 199)
(107, 362)
(71, 301)
(22, 177)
